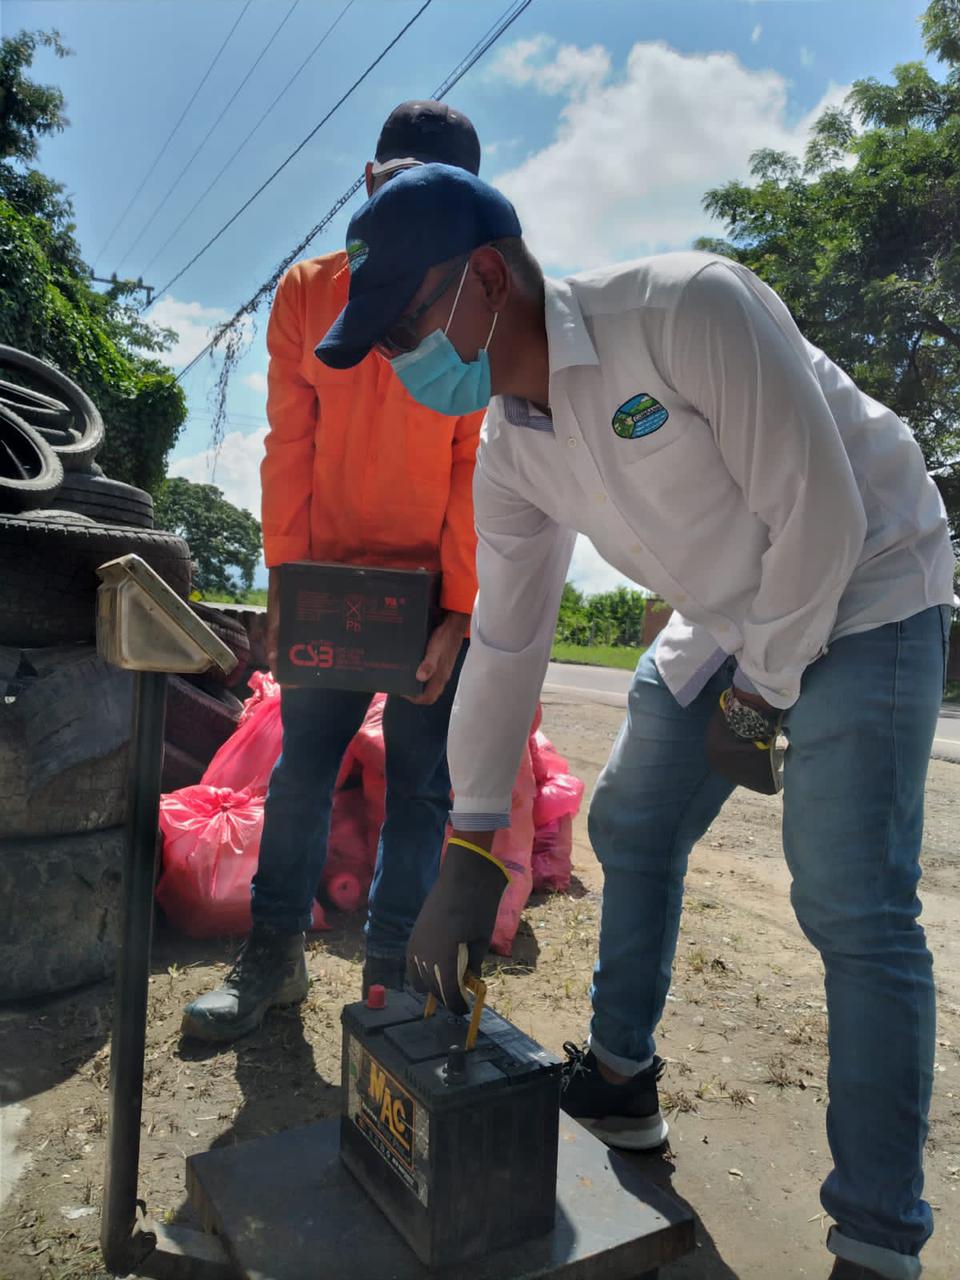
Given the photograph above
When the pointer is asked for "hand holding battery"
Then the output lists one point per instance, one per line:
(443, 648)
(742, 742)
(453, 930)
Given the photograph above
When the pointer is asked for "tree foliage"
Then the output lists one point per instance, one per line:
(47, 303)
(862, 241)
(610, 618)
(224, 539)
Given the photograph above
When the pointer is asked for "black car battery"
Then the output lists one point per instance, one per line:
(456, 1146)
(354, 626)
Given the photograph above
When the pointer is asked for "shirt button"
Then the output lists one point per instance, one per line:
(571, 442)
(637, 547)
(601, 497)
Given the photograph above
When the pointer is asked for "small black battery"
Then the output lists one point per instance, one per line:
(354, 626)
(458, 1148)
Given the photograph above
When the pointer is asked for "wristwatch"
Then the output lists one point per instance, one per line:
(744, 721)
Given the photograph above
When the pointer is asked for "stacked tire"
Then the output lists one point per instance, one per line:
(65, 714)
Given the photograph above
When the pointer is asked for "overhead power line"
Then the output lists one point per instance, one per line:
(483, 46)
(299, 147)
(302, 67)
(160, 154)
(161, 203)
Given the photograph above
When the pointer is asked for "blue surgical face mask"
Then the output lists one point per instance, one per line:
(438, 378)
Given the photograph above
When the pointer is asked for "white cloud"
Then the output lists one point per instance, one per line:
(568, 69)
(193, 322)
(590, 573)
(235, 468)
(806, 56)
(255, 381)
(756, 33)
(634, 153)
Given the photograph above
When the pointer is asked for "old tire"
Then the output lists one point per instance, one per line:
(110, 501)
(86, 423)
(64, 735)
(60, 925)
(49, 573)
(234, 635)
(199, 721)
(30, 472)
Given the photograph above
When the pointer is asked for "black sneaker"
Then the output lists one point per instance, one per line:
(622, 1115)
(844, 1270)
(271, 969)
(384, 971)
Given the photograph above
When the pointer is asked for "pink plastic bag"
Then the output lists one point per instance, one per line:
(558, 797)
(552, 856)
(211, 842)
(351, 850)
(514, 847)
(246, 759)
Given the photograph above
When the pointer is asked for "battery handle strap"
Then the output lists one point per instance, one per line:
(479, 989)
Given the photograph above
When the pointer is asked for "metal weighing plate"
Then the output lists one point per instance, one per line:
(286, 1209)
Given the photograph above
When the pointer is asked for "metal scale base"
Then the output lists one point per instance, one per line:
(285, 1208)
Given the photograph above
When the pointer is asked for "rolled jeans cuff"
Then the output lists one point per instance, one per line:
(622, 1066)
(886, 1262)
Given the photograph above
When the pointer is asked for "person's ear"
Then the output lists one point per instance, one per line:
(368, 176)
(487, 264)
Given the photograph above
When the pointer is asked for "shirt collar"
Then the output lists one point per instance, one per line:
(568, 342)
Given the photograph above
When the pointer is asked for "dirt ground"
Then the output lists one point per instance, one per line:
(744, 1035)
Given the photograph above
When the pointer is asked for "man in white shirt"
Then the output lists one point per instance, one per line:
(671, 410)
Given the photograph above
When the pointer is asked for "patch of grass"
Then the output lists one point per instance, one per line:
(256, 596)
(597, 655)
(952, 692)
(677, 1100)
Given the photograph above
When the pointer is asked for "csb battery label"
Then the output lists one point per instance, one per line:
(387, 1115)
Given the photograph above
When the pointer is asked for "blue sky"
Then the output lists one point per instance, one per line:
(604, 121)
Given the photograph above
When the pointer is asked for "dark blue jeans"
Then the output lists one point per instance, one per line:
(860, 738)
(318, 725)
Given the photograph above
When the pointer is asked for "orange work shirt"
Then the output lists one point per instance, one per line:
(355, 470)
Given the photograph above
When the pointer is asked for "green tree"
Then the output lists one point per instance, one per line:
(224, 539)
(862, 241)
(47, 303)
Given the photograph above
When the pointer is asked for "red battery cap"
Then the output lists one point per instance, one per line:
(377, 997)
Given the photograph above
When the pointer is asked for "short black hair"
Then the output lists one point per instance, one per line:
(523, 265)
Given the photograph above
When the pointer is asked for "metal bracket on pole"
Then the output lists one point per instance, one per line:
(142, 626)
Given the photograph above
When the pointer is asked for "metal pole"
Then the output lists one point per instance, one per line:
(122, 1245)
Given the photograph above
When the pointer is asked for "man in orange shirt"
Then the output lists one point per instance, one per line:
(358, 473)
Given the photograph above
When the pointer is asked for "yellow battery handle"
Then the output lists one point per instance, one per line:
(479, 989)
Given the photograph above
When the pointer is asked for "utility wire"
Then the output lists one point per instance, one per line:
(297, 149)
(302, 67)
(506, 20)
(160, 154)
(161, 203)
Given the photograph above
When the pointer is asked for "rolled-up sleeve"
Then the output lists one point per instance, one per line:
(522, 561)
(737, 356)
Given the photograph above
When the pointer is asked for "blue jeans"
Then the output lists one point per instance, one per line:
(860, 738)
(318, 725)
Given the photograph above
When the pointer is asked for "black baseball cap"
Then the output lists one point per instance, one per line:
(428, 214)
(426, 132)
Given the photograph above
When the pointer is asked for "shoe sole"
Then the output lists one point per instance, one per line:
(624, 1134)
(209, 1030)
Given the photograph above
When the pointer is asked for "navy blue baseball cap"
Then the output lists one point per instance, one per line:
(423, 216)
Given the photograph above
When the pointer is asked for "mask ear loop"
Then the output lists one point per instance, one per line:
(496, 317)
(463, 277)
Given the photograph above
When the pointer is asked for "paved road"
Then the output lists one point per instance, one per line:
(609, 685)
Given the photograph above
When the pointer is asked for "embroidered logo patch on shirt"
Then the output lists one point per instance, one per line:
(641, 415)
(357, 251)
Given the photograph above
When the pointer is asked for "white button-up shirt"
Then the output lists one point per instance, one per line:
(712, 455)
